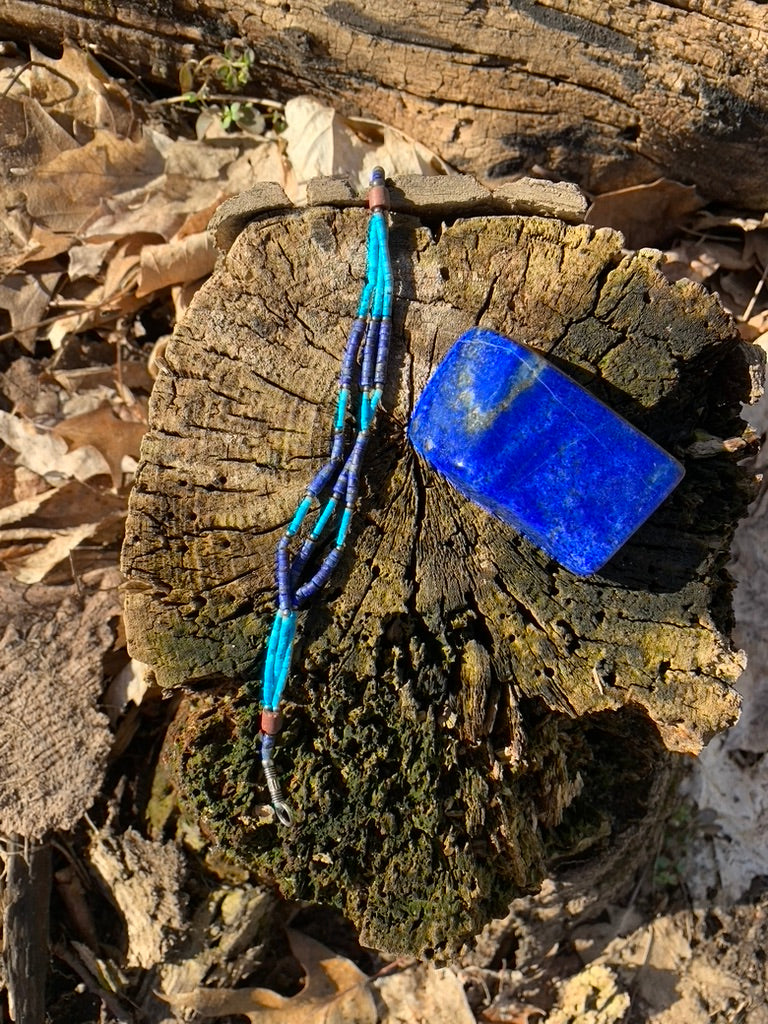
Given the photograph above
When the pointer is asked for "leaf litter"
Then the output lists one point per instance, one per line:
(104, 231)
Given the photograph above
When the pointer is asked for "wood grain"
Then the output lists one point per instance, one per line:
(604, 92)
(461, 708)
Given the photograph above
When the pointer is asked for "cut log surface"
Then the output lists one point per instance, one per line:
(461, 708)
(605, 92)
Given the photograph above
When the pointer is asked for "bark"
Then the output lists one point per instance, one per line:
(461, 710)
(603, 92)
(26, 899)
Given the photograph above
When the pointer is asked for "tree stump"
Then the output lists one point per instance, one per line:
(605, 92)
(462, 711)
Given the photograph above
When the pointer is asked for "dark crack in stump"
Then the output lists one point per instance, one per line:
(462, 711)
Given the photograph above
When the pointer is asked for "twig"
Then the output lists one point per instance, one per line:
(111, 1001)
(222, 97)
(755, 295)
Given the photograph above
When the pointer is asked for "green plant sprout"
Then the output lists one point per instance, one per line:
(214, 83)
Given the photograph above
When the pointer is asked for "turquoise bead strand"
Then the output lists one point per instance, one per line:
(326, 510)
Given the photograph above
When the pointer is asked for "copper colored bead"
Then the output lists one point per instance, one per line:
(271, 722)
(378, 197)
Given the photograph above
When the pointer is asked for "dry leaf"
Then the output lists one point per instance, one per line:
(20, 510)
(322, 142)
(336, 992)
(506, 1009)
(699, 260)
(108, 434)
(181, 296)
(176, 262)
(187, 177)
(34, 567)
(47, 455)
(65, 192)
(129, 685)
(51, 525)
(31, 136)
(647, 215)
(707, 220)
(88, 259)
(424, 993)
(70, 504)
(43, 245)
(78, 89)
(99, 185)
(26, 297)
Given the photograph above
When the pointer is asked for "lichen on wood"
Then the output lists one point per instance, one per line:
(461, 709)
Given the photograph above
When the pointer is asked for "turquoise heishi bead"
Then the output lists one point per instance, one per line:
(532, 447)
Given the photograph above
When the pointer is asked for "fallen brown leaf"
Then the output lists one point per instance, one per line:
(26, 297)
(175, 262)
(647, 215)
(320, 141)
(424, 993)
(507, 1010)
(45, 454)
(113, 437)
(31, 136)
(33, 566)
(336, 992)
(80, 92)
(64, 193)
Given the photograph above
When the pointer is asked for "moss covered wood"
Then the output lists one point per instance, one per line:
(462, 710)
(606, 92)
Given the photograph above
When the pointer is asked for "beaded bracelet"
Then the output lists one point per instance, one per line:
(332, 494)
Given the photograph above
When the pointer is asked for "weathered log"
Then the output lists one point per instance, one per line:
(603, 92)
(462, 709)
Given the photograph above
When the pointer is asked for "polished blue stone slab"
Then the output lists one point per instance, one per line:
(524, 441)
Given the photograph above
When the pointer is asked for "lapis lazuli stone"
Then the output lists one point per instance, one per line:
(524, 441)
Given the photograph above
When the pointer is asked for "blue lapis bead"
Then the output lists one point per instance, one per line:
(380, 375)
(528, 444)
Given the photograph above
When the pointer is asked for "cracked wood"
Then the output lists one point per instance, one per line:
(460, 706)
(605, 92)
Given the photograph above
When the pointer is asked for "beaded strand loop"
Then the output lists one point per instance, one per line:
(332, 493)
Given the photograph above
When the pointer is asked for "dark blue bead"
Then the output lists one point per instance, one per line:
(320, 578)
(524, 441)
(350, 352)
(369, 353)
(380, 376)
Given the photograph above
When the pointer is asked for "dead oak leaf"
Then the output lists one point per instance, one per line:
(177, 262)
(25, 297)
(77, 89)
(320, 141)
(41, 452)
(64, 193)
(101, 429)
(647, 215)
(336, 992)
